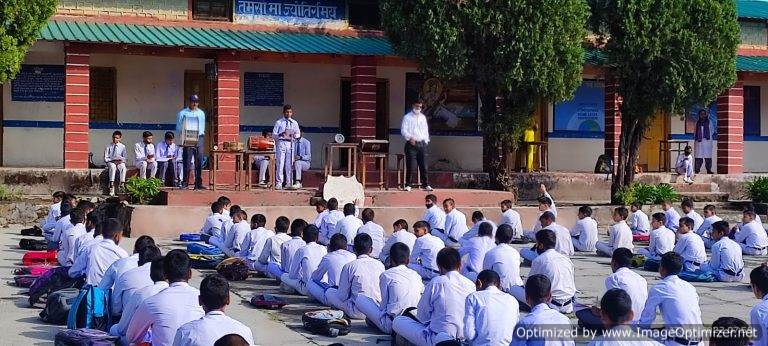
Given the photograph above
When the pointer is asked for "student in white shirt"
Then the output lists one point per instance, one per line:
(237, 233)
(270, 253)
(616, 314)
(584, 232)
(424, 252)
(672, 216)
(255, 240)
(455, 224)
(285, 133)
(727, 263)
(489, 312)
(758, 316)
(511, 217)
(400, 234)
(620, 234)
(105, 253)
(226, 205)
(305, 261)
(66, 254)
(169, 309)
(557, 267)
(125, 264)
(69, 203)
(226, 225)
(157, 275)
(710, 217)
(474, 250)
(329, 221)
(213, 228)
(538, 295)
(374, 230)
(303, 150)
(662, 239)
(349, 224)
(84, 245)
(328, 272)
(134, 279)
(564, 243)
(546, 203)
(54, 211)
(85, 240)
(638, 221)
(434, 216)
(400, 289)
(144, 156)
(689, 246)
(114, 157)
(684, 165)
(165, 155)
(359, 277)
(440, 311)
(504, 259)
(261, 163)
(214, 298)
(477, 219)
(751, 235)
(321, 207)
(288, 249)
(415, 131)
(687, 206)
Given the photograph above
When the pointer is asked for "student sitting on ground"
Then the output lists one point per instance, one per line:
(169, 309)
(504, 259)
(90, 236)
(758, 316)
(288, 249)
(564, 243)
(440, 311)
(687, 207)
(105, 253)
(62, 224)
(672, 216)
(270, 254)
(512, 218)
(84, 244)
(689, 246)
(662, 239)
(305, 261)
(374, 230)
(477, 219)
(620, 234)
(751, 235)
(125, 264)
(475, 249)
(134, 279)
(400, 289)
(726, 263)
(424, 252)
(214, 298)
(638, 221)
(328, 272)
(349, 224)
(538, 295)
(54, 212)
(66, 254)
(704, 231)
(321, 207)
(435, 215)
(455, 224)
(584, 233)
(684, 164)
(489, 313)
(212, 231)
(617, 313)
(227, 226)
(254, 241)
(157, 275)
(400, 234)
(546, 203)
(359, 277)
(623, 278)
(557, 267)
(237, 233)
(329, 221)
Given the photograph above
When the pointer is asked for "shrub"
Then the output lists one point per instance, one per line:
(9, 194)
(757, 190)
(647, 194)
(664, 192)
(143, 190)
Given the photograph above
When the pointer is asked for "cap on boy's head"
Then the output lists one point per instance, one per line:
(194, 98)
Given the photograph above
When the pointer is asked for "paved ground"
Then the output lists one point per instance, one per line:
(23, 326)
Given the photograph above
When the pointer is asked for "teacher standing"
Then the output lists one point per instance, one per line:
(415, 130)
(702, 145)
(196, 152)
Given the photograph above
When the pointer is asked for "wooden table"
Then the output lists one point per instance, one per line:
(382, 159)
(665, 150)
(248, 155)
(215, 158)
(541, 151)
(351, 149)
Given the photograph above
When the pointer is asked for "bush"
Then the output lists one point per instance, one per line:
(647, 194)
(143, 190)
(9, 194)
(757, 190)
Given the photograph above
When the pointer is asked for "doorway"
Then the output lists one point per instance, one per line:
(195, 82)
(648, 153)
(382, 112)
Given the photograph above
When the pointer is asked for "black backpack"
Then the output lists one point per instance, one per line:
(57, 306)
(604, 164)
(233, 269)
(33, 244)
(326, 322)
(34, 232)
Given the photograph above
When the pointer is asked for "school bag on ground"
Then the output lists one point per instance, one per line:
(326, 322)
(57, 306)
(697, 276)
(190, 237)
(23, 280)
(91, 309)
(204, 262)
(268, 301)
(641, 237)
(53, 280)
(33, 244)
(32, 232)
(203, 249)
(233, 269)
(84, 337)
(32, 270)
(40, 257)
(651, 264)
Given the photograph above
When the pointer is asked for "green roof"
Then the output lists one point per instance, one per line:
(191, 37)
(752, 9)
(752, 63)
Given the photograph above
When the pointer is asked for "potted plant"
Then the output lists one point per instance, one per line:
(143, 191)
(757, 191)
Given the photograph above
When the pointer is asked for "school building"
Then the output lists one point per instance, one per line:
(129, 65)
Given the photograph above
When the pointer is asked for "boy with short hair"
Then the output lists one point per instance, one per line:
(434, 216)
(145, 156)
(684, 164)
(349, 224)
(288, 249)
(687, 206)
(400, 234)
(477, 219)
(671, 215)
(328, 272)
(511, 217)
(114, 157)
(255, 240)
(564, 244)
(165, 155)
(620, 234)
(751, 235)
(330, 220)
(237, 233)
(359, 277)
(372, 229)
(105, 253)
(305, 261)
(157, 275)
(66, 254)
(424, 252)
(455, 223)
(662, 239)
(545, 204)
(638, 222)
(758, 316)
(625, 279)
(489, 312)
(726, 263)
(321, 207)
(504, 259)
(584, 233)
(214, 223)
(538, 295)
(475, 250)
(710, 217)
(617, 313)
(690, 246)
(271, 253)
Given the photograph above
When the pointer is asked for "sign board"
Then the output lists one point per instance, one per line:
(263, 89)
(585, 112)
(448, 105)
(39, 83)
(293, 12)
(692, 117)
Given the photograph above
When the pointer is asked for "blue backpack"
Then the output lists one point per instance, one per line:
(697, 276)
(190, 237)
(91, 309)
(203, 249)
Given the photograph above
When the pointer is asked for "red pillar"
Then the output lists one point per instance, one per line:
(227, 110)
(76, 98)
(730, 130)
(363, 98)
(612, 119)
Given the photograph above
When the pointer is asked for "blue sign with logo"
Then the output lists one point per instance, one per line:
(263, 89)
(39, 83)
(289, 11)
(585, 112)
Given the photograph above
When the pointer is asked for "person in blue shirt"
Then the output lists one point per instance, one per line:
(196, 152)
(303, 157)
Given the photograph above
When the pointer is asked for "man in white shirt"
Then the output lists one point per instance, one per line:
(504, 259)
(254, 241)
(538, 295)
(288, 249)
(305, 261)
(348, 225)
(237, 233)
(330, 220)
(303, 157)
(124, 264)
(157, 275)
(672, 216)
(440, 311)
(328, 272)
(511, 217)
(169, 309)
(758, 316)
(638, 221)
(359, 277)
(134, 279)
(213, 228)
(687, 206)
(617, 314)
(727, 264)
(557, 267)
(474, 250)
(114, 157)
(285, 133)
(415, 131)
(144, 156)
(489, 312)
(105, 253)
(690, 246)
(662, 239)
(434, 216)
(620, 234)
(270, 255)
(710, 217)
(165, 156)
(455, 224)
(66, 254)
(400, 234)
(584, 232)
(564, 243)
(374, 230)
(214, 298)
(424, 252)
(477, 219)
(400, 289)
(751, 235)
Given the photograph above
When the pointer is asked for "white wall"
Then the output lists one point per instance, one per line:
(574, 154)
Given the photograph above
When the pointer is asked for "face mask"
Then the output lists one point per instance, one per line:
(428, 205)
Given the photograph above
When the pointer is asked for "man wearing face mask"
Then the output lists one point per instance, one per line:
(415, 131)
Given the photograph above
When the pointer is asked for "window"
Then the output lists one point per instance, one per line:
(102, 102)
(212, 9)
(751, 110)
(364, 14)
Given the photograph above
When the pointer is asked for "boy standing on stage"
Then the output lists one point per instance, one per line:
(286, 132)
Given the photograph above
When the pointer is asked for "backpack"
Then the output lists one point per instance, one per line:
(84, 337)
(203, 249)
(233, 269)
(326, 322)
(32, 271)
(697, 276)
(604, 164)
(638, 261)
(651, 264)
(204, 261)
(641, 237)
(268, 301)
(23, 280)
(53, 280)
(91, 309)
(190, 237)
(33, 244)
(57, 306)
(32, 232)
(40, 257)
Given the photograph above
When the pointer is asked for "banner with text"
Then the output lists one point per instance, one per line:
(585, 112)
(293, 12)
(39, 83)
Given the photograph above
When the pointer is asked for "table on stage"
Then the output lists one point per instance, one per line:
(248, 155)
(216, 155)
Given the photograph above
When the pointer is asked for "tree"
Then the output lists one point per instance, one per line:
(521, 51)
(666, 56)
(20, 23)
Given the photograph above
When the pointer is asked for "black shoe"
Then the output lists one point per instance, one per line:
(710, 172)
(200, 187)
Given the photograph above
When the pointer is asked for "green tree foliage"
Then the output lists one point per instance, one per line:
(666, 55)
(20, 22)
(520, 51)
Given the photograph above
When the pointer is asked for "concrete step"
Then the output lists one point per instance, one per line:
(705, 196)
(695, 187)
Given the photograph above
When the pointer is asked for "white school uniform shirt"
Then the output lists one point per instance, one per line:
(758, 318)
(476, 228)
(677, 300)
(488, 315)
(726, 255)
(132, 304)
(360, 277)
(305, 261)
(285, 124)
(141, 151)
(401, 287)
(435, 217)
(541, 315)
(424, 252)
(66, 255)
(752, 234)
(475, 250)
(209, 328)
(118, 268)
(635, 285)
(287, 250)
(328, 225)
(348, 226)
(62, 225)
(455, 226)
(319, 218)
(505, 261)
(564, 244)
(53, 214)
(272, 248)
(662, 240)
(512, 218)
(236, 236)
(377, 235)
(559, 269)
(84, 241)
(441, 306)
(164, 313)
(691, 248)
(640, 222)
(254, 243)
(114, 152)
(414, 126)
(103, 255)
(331, 265)
(585, 231)
(697, 219)
(127, 284)
(162, 150)
(401, 236)
(705, 230)
(621, 236)
(214, 225)
(81, 261)
(673, 218)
